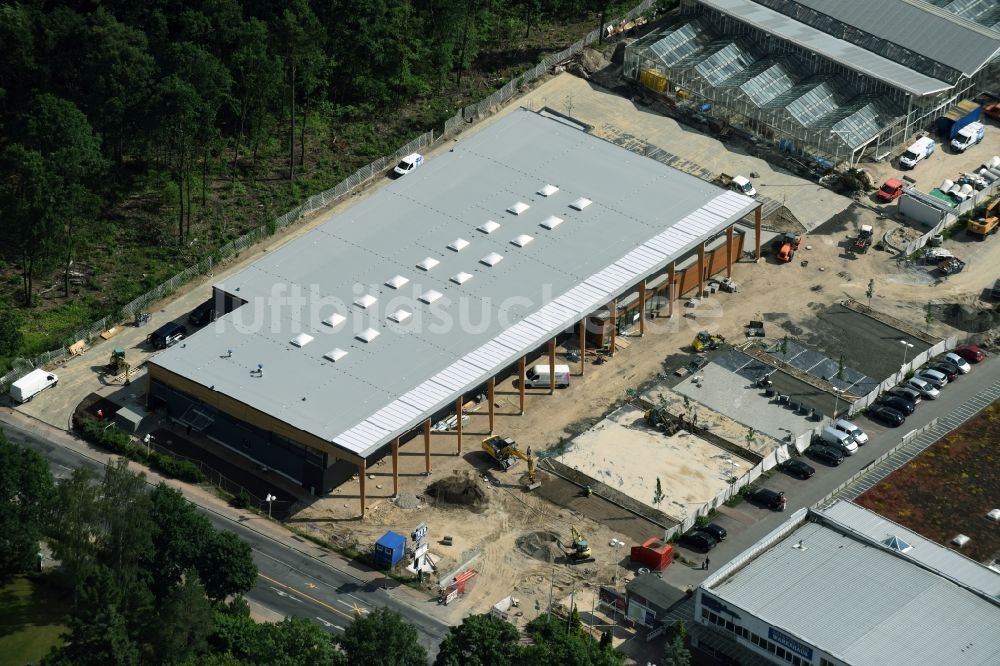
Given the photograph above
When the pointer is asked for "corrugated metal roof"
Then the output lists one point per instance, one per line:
(838, 50)
(919, 27)
(375, 392)
(860, 602)
(949, 562)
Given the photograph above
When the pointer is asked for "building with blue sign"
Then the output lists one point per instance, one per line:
(844, 586)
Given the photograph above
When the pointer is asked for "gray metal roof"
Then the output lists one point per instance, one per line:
(644, 214)
(949, 562)
(858, 601)
(918, 26)
(839, 50)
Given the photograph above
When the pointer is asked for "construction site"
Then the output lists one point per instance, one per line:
(650, 426)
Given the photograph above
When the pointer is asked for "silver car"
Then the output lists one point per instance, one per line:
(925, 389)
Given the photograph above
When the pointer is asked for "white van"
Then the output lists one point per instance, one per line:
(840, 440)
(538, 376)
(408, 164)
(920, 149)
(33, 383)
(743, 185)
(968, 136)
(856, 433)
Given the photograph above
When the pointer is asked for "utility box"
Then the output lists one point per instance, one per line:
(389, 550)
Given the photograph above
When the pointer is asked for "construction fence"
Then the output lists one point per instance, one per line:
(316, 202)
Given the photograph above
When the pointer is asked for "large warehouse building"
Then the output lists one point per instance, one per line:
(843, 586)
(352, 339)
(840, 80)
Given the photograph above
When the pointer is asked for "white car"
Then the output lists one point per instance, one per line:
(856, 433)
(925, 389)
(408, 164)
(959, 362)
(743, 185)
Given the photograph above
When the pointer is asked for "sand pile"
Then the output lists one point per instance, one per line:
(542, 546)
(461, 490)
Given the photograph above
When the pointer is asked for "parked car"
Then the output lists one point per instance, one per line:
(408, 164)
(797, 468)
(959, 362)
(772, 499)
(936, 379)
(906, 393)
(901, 405)
(949, 370)
(925, 389)
(717, 531)
(890, 190)
(854, 431)
(886, 415)
(698, 540)
(203, 314)
(167, 335)
(826, 454)
(971, 353)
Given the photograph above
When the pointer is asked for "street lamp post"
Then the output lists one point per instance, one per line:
(146, 440)
(270, 498)
(836, 401)
(906, 347)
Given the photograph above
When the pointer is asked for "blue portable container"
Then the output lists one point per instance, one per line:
(389, 550)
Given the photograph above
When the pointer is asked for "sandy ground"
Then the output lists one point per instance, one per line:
(624, 453)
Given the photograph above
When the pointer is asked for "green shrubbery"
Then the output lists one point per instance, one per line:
(108, 435)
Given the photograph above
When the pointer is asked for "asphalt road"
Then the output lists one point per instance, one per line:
(747, 523)
(290, 583)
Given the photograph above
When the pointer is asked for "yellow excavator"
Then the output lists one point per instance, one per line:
(505, 451)
(117, 364)
(581, 553)
(705, 340)
(984, 221)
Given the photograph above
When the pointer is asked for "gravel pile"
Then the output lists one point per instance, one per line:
(407, 501)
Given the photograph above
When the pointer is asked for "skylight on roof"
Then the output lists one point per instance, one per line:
(581, 203)
(430, 296)
(458, 244)
(301, 340)
(428, 263)
(365, 301)
(518, 208)
(488, 227)
(335, 355)
(522, 240)
(551, 222)
(367, 335)
(548, 190)
(334, 320)
(492, 259)
(397, 282)
(461, 278)
(400, 315)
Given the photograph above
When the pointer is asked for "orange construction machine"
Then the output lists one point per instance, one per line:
(785, 246)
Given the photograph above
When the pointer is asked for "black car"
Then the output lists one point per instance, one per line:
(203, 314)
(901, 405)
(947, 369)
(906, 393)
(717, 531)
(826, 454)
(772, 499)
(886, 415)
(169, 334)
(797, 468)
(698, 540)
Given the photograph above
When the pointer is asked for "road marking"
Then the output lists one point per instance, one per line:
(329, 625)
(311, 585)
(312, 599)
(354, 607)
(282, 593)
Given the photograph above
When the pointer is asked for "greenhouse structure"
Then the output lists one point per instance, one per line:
(840, 81)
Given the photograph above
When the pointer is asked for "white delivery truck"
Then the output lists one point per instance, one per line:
(920, 149)
(538, 376)
(33, 383)
(968, 136)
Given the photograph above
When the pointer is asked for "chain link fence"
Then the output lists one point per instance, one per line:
(313, 203)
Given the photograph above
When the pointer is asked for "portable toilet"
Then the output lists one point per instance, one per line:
(389, 550)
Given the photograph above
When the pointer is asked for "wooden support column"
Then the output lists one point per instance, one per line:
(427, 445)
(583, 344)
(614, 325)
(552, 365)
(729, 251)
(642, 308)
(361, 486)
(520, 381)
(670, 288)
(701, 271)
(490, 388)
(395, 467)
(757, 222)
(458, 422)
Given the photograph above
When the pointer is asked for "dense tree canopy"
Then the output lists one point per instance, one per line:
(26, 491)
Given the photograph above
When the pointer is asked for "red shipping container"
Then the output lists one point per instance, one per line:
(653, 554)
